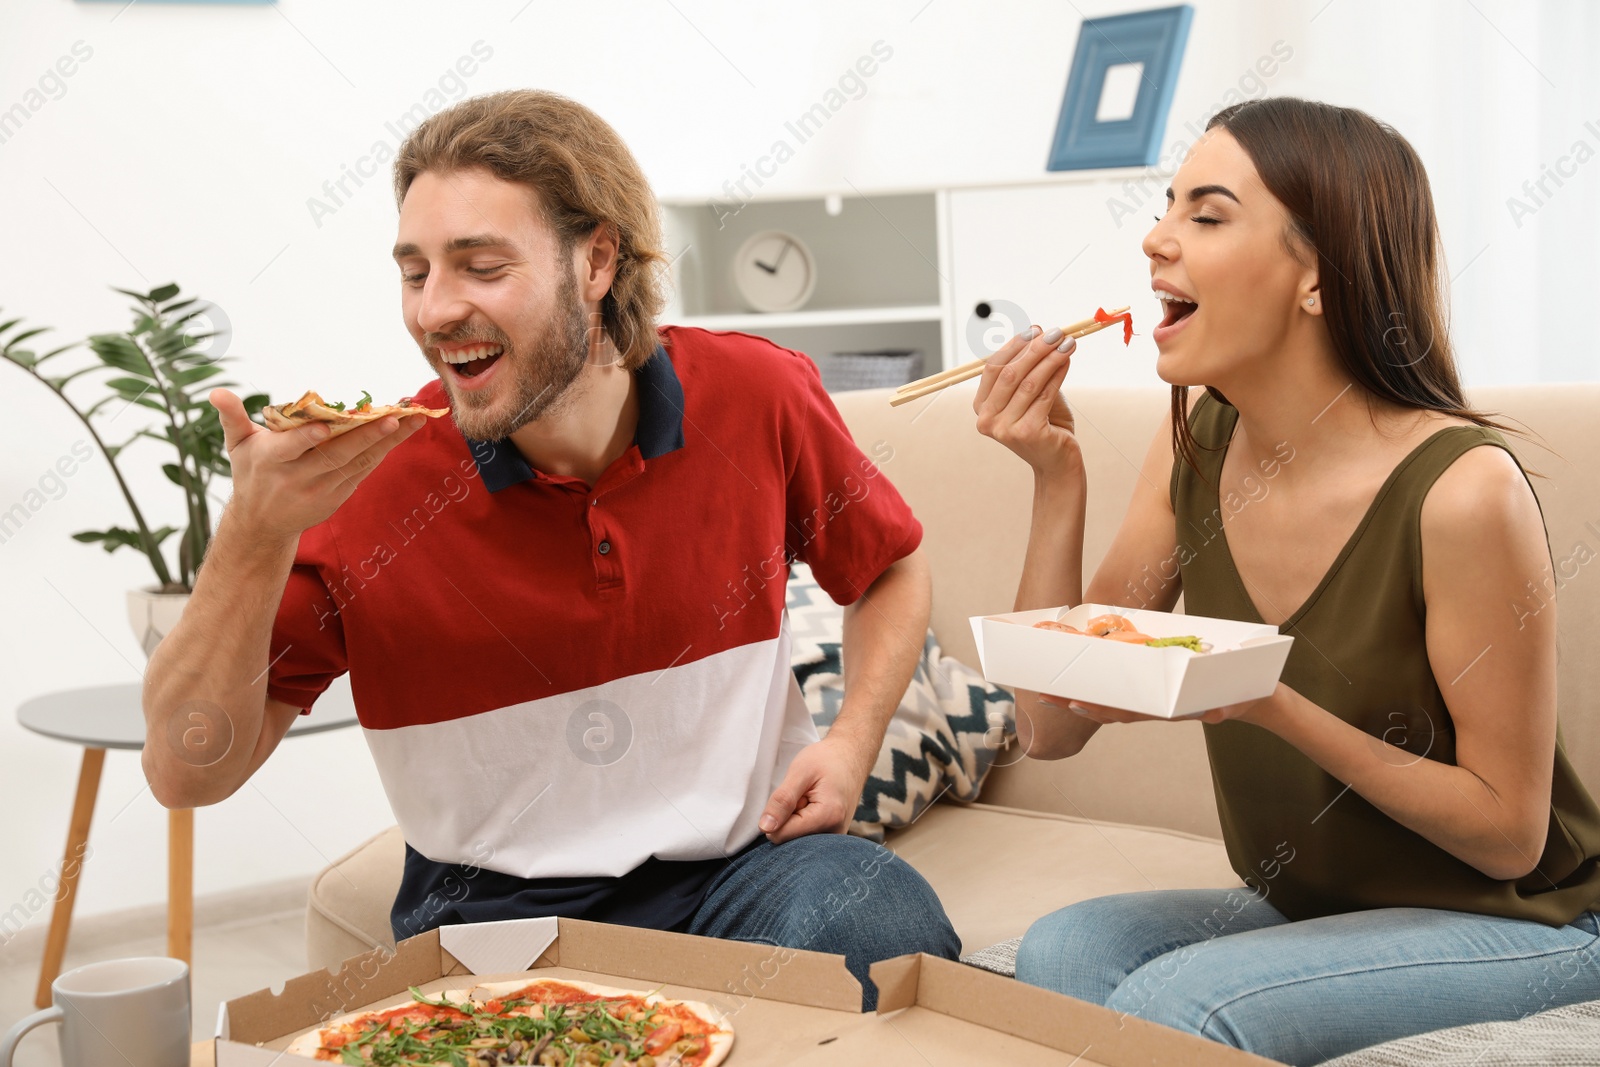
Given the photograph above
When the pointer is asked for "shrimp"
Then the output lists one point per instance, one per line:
(1119, 628)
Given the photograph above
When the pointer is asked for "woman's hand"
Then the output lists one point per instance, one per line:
(1019, 400)
(1251, 711)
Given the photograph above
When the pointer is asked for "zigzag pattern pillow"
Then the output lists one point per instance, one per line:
(943, 738)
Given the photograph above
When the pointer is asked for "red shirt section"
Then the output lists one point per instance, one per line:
(445, 599)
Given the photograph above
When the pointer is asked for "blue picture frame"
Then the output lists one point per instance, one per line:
(1154, 38)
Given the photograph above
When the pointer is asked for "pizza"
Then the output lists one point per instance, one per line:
(546, 1021)
(312, 408)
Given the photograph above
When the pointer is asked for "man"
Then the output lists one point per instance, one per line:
(562, 609)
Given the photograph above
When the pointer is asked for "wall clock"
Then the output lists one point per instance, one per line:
(774, 271)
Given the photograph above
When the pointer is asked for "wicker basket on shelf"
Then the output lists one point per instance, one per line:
(876, 369)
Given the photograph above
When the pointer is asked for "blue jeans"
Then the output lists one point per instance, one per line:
(828, 893)
(1226, 965)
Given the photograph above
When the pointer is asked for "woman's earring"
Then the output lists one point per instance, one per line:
(1311, 302)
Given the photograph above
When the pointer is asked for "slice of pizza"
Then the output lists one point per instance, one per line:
(538, 1021)
(312, 408)
(640, 1028)
(410, 1027)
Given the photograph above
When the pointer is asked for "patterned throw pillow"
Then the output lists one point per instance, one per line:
(944, 735)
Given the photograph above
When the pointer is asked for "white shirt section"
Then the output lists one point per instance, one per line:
(676, 764)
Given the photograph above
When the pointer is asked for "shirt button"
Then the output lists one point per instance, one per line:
(605, 547)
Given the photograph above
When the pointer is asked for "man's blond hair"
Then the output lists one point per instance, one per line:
(582, 175)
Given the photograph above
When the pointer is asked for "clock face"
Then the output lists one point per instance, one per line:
(774, 271)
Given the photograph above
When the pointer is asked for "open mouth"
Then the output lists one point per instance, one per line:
(473, 360)
(1177, 308)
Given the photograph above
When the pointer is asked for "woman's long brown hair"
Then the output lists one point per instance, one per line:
(1358, 196)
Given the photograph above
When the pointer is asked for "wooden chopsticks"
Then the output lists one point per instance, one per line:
(944, 379)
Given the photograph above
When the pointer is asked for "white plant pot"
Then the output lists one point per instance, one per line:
(153, 615)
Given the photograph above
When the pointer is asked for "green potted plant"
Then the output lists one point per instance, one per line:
(160, 364)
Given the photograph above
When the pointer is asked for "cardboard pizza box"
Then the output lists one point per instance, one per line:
(785, 1006)
(1244, 662)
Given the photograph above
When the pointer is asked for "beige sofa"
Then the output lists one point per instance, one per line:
(1135, 810)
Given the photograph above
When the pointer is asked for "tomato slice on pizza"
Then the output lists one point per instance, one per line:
(542, 1021)
(312, 408)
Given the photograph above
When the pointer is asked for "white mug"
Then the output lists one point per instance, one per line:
(127, 1013)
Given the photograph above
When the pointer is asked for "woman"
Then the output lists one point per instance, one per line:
(1420, 852)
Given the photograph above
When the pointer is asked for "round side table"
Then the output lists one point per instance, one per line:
(111, 716)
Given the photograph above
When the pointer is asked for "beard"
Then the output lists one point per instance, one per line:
(532, 383)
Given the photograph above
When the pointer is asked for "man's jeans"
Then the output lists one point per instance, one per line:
(828, 893)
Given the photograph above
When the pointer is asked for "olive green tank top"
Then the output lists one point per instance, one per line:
(1292, 830)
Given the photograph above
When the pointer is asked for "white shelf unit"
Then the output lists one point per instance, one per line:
(883, 278)
(756, 321)
(951, 271)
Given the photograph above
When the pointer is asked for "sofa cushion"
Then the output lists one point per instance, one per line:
(1561, 1037)
(975, 498)
(995, 869)
(347, 910)
(943, 738)
(998, 869)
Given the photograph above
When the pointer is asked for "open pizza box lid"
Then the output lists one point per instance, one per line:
(785, 1006)
(1244, 663)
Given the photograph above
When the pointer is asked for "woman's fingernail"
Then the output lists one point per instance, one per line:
(1055, 334)
(1079, 708)
(1068, 345)
(1030, 333)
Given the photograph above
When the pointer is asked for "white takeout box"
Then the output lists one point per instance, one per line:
(1244, 662)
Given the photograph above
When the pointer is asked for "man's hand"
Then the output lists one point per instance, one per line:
(819, 794)
(285, 483)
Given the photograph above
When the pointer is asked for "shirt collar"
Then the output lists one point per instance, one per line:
(660, 428)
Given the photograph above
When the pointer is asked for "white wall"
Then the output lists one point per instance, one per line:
(187, 146)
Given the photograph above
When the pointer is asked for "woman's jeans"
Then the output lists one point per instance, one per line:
(1226, 965)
